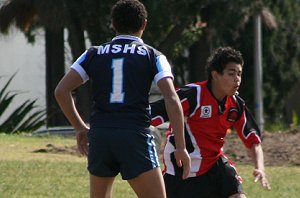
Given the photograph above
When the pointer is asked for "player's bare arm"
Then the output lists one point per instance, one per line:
(63, 95)
(259, 171)
(175, 113)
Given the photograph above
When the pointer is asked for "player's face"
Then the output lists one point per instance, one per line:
(230, 81)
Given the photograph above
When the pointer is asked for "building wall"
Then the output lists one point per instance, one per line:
(28, 60)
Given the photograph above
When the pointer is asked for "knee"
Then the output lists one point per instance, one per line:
(238, 196)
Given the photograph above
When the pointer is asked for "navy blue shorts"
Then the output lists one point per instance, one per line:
(126, 151)
(221, 181)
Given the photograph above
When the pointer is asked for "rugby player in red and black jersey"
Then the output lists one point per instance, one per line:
(211, 108)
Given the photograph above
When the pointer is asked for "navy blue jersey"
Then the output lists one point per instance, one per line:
(121, 72)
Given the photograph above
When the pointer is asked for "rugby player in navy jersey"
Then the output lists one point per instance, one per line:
(119, 139)
(211, 108)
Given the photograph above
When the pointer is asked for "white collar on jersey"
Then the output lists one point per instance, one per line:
(130, 37)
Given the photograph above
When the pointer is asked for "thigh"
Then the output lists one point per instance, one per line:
(137, 153)
(221, 181)
(231, 182)
(149, 184)
(238, 195)
(127, 151)
(101, 162)
(172, 184)
(101, 186)
(193, 187)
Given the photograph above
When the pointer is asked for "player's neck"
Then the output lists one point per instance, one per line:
(216, 91)
(136, 34)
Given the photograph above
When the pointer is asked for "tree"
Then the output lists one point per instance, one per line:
(77, 17)
(186, 31)
(280, 51)
(54, 17)
(231, 24)
(281, 57)
(28, 16)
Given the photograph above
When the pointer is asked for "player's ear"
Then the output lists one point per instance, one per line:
(214, 75)
(144, 25)
(112, 25)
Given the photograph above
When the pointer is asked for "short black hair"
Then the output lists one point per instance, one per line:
(221, 57)
(128, 16)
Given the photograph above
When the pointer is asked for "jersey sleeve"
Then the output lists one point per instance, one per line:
(163, 68)
(187, 96)
(81, 64)
(158, 113)
(248, 129)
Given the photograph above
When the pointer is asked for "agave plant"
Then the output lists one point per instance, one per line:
(25, 118)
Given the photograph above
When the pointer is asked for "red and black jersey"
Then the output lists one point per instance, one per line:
(206, 123)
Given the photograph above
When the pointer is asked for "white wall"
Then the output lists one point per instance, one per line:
(28, 60)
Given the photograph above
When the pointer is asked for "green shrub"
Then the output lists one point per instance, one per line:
(276, 126)
(295, 119)
(25, 118)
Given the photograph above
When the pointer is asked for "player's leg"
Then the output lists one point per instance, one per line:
(173, 185)
(140, 162)
(149, 184)
(101, 186)
(101, 165)
(238, 196)
(192, 187)
(231, 182)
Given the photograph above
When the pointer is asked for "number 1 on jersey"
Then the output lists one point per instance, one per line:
(117, 96)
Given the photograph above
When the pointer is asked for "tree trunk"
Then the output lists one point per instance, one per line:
(77, 43)
(54, 72)
(173, 37)
(199, 52)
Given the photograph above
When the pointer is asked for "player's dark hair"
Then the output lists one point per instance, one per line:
(220, 58)
(128, 16)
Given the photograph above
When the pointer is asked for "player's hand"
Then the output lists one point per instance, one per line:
(261, 176)
(82, 140)
(183, 160)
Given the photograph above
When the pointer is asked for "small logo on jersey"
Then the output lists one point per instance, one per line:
(205, 111)
(232, 115)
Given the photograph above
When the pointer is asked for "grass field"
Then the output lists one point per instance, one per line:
(27, 174)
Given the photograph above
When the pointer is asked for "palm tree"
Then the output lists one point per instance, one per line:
(76, 16)
(180, 25)
(53, 16)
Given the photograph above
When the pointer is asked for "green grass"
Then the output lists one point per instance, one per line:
(27, 174)
(285, 182)
(38, 175)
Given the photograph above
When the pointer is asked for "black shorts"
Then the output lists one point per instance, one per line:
(126, 151)
(220, 181)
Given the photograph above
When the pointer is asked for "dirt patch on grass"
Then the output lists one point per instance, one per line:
(280, 149)
(50, 148)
